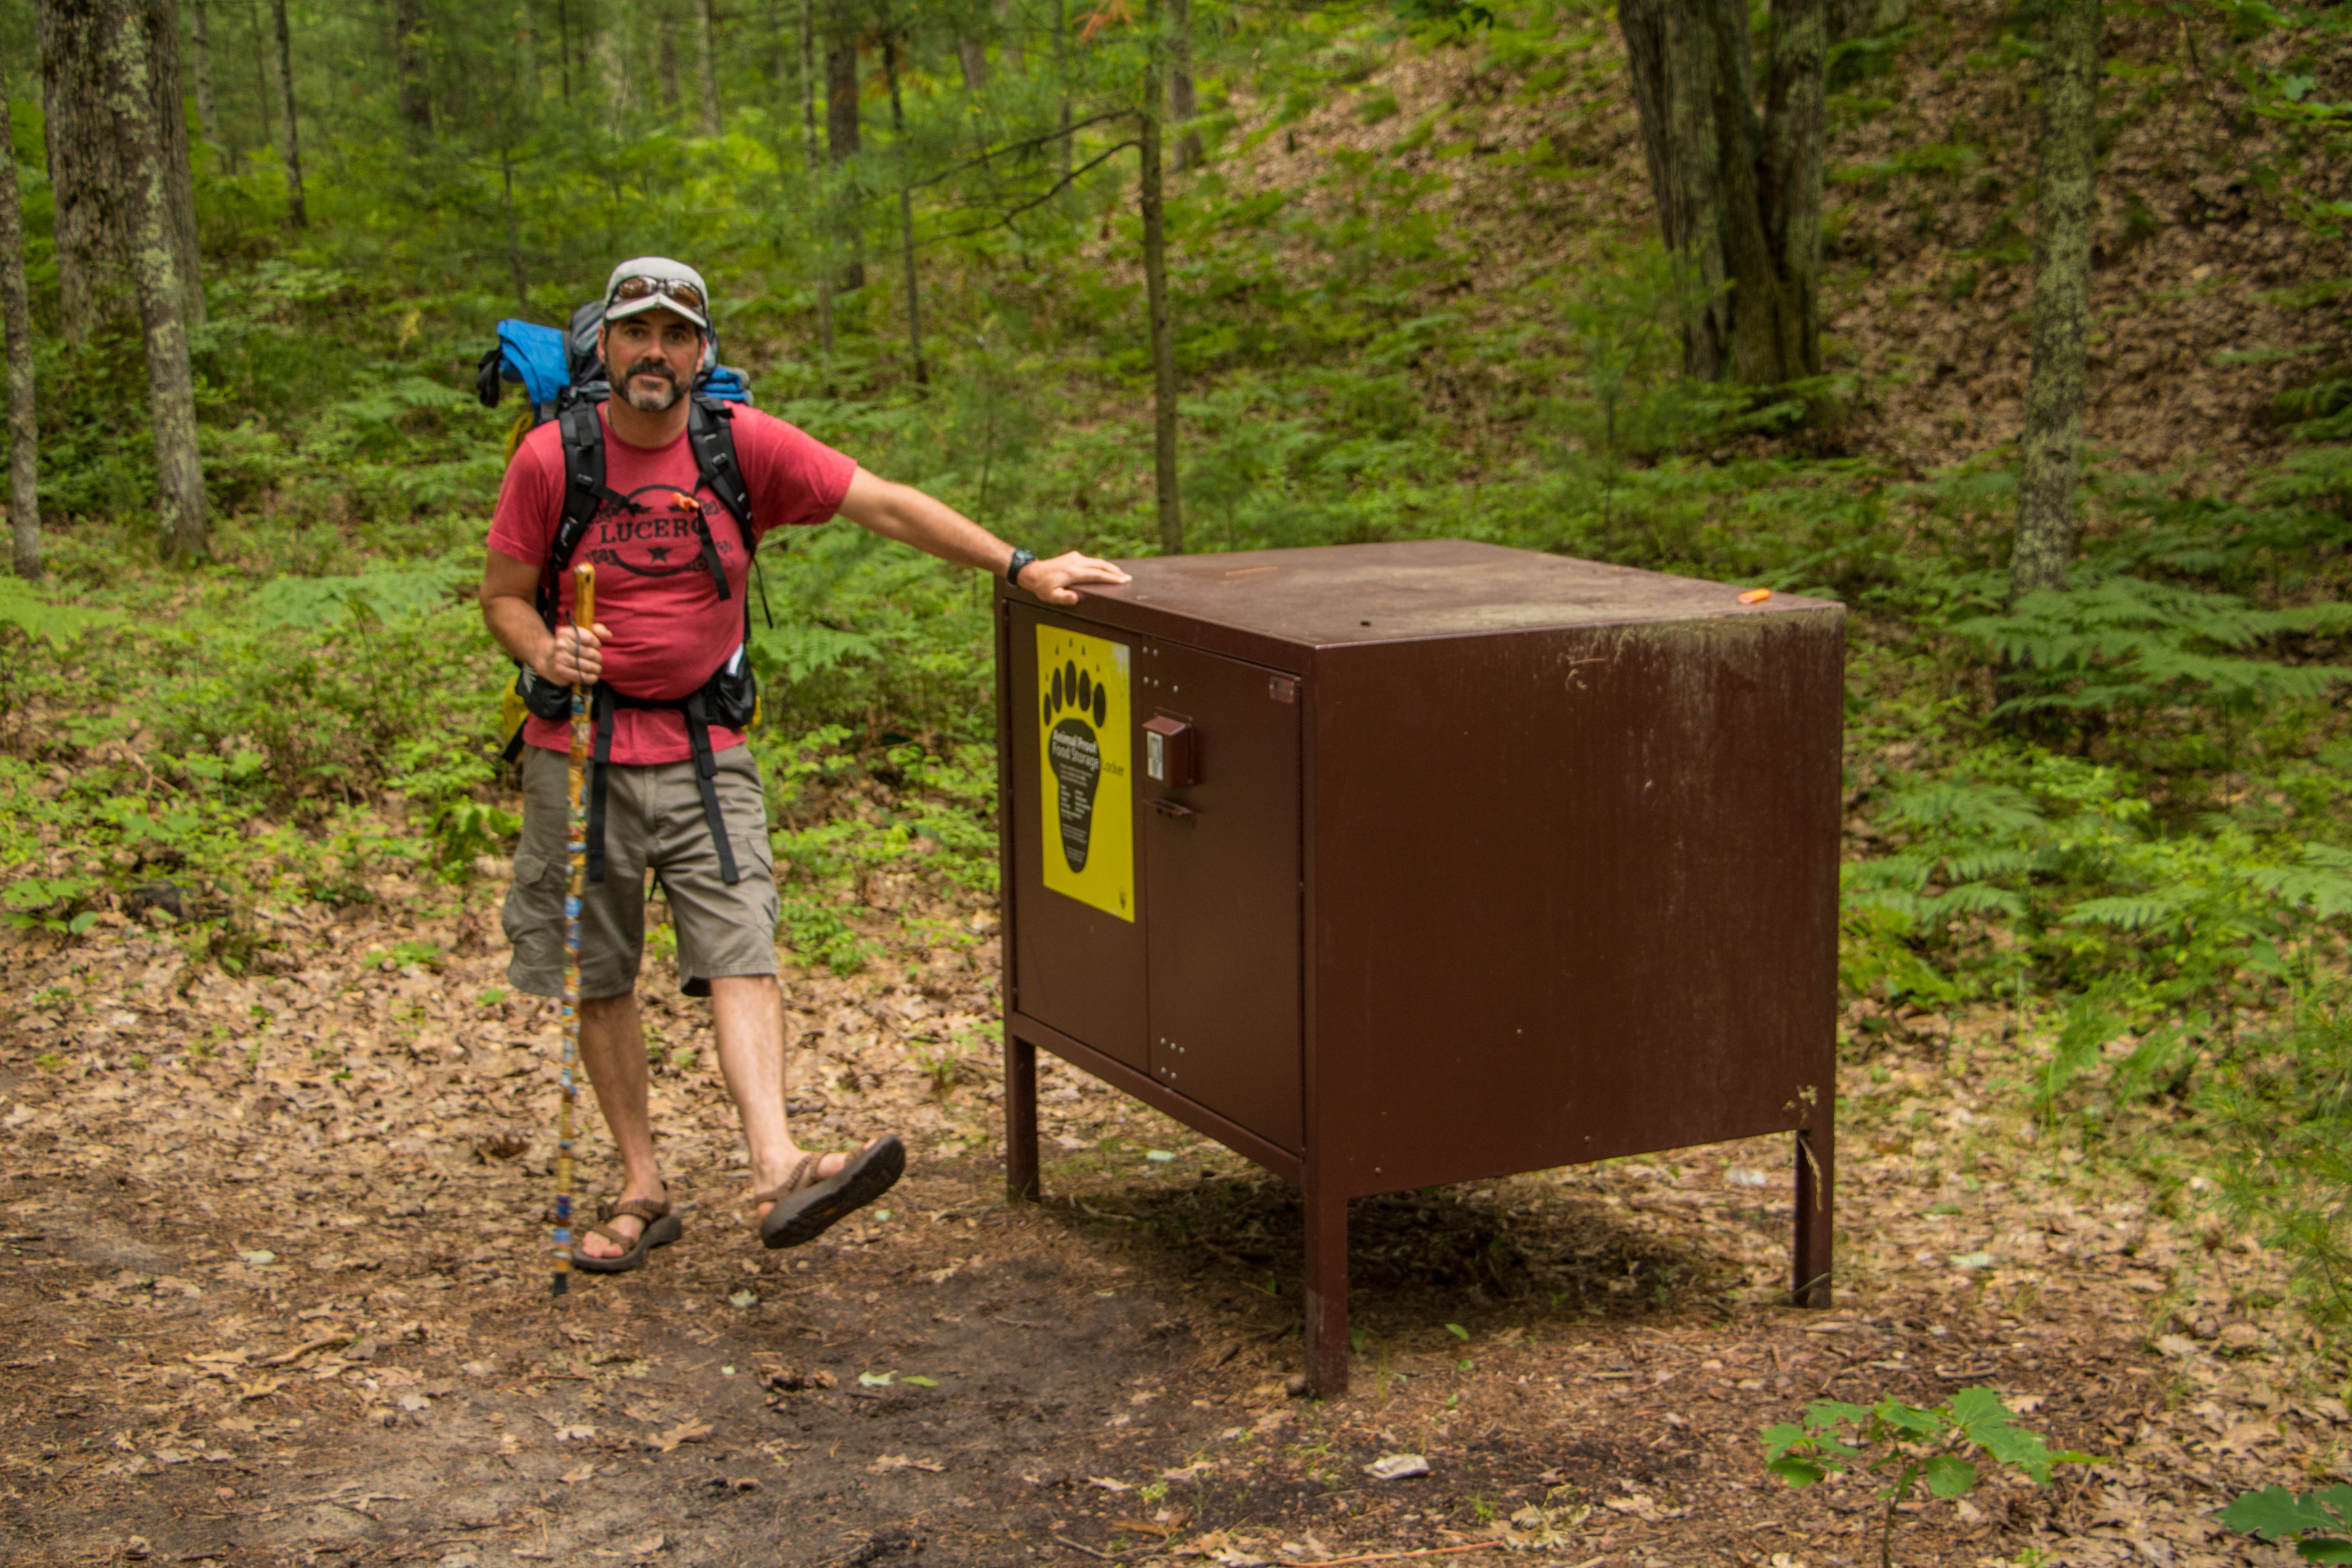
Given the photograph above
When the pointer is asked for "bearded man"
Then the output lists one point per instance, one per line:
(676, 792)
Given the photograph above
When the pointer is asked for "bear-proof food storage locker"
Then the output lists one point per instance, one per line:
(1393, 865)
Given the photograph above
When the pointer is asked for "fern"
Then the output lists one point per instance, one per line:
(23, 608)
(2115, 641)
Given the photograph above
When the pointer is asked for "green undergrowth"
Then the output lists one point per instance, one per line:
(2119, 813)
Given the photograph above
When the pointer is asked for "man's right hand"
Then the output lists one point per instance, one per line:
(573, 657)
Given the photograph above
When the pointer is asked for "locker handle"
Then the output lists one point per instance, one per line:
(1166, 807)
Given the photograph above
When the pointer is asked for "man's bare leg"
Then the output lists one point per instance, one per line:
(747, 1013)
(612, 1049)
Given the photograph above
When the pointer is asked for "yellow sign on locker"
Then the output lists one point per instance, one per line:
(1084, 736)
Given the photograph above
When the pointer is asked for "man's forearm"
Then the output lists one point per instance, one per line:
(936, 527)
(515, 625)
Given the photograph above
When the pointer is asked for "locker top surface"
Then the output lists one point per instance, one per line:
(1333, 596)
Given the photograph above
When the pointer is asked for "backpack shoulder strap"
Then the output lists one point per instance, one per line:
(711, 431)
(583, 490)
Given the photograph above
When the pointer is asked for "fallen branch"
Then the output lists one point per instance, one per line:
(308, 1347)
(1398, 1556)
(1074, 1546)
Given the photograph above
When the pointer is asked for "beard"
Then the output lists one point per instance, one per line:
(648, 399)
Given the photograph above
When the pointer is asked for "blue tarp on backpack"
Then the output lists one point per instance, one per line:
(551, 362)
(534, 356)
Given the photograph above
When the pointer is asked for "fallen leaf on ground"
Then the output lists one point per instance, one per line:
(888, 1462)
(687, 1431)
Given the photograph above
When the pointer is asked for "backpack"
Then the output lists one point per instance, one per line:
(565, 379)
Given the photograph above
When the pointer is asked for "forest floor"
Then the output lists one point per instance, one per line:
(276, 1293)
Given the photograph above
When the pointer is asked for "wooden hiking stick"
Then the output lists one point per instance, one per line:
(575, 835)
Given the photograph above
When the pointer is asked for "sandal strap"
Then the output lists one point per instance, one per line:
(630, 1242)
(645, 1209)
(803, 1176)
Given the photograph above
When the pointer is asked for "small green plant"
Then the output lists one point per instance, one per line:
(2317, 1523)
(1903, 1445)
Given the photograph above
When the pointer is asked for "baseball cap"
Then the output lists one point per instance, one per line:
(657, 283)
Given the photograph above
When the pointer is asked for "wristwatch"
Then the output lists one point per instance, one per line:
(1021, 558)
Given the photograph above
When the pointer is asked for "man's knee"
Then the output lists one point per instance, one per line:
(600, 1009)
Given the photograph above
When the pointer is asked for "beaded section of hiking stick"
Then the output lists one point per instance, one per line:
(575, 834)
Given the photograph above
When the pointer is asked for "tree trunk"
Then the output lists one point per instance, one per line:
(84, 136)
(261, 89)
(817, 183)
(200, 46)
(705, 67)
(673, 95)
(17, 324)
(296, 210)
(841, 130)
(1011, 44)
(514, 232)
(564, 44)
(906, 208)
(1062, 81)
(416, 103)
(971, 54)
(171, 389)
(1182, 106)
(2049, 448)
(526, 28)
(1155, 289)
(1739, 189)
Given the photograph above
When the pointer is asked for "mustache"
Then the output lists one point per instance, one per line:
(653, 367)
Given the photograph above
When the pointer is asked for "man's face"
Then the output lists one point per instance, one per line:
(652, 357)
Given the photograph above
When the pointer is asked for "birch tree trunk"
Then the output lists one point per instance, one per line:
(83, 137)
(906, 208)
(1737, 178)
(842, 143)
(296, 210)
(2050, 450)
(1182, 106)
(1155, 289)
(17, 326)
(706, 66)
(171, 389)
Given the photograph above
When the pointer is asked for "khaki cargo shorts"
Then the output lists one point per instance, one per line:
(652, 822)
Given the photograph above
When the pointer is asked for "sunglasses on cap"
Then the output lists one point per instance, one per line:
(686, 294)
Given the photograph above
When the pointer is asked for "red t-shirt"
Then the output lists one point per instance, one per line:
(670, 628)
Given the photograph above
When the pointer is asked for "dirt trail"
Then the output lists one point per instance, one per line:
(275, 1294)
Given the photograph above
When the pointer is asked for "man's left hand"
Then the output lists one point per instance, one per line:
(1051, 580)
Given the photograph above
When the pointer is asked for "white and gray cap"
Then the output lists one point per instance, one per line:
(657, 283)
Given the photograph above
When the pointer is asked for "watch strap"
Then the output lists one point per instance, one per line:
(1021, 559)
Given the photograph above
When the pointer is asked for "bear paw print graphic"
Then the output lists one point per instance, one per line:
(1076, 708)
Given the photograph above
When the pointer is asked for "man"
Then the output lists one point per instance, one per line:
(664, 546)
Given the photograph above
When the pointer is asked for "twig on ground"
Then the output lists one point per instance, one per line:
(1074, 1546)
(1398, 1556)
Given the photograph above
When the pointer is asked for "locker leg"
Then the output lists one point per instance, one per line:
(1816, 1213)
(1020, 1119)
(1326, 1294)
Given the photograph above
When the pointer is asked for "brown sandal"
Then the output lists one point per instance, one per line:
(807, 1204)
(660, 1228)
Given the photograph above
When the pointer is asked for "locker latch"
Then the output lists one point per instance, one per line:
(1171, 753)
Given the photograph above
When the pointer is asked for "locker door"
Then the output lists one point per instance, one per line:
(1221, 887)
(1077, 949)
